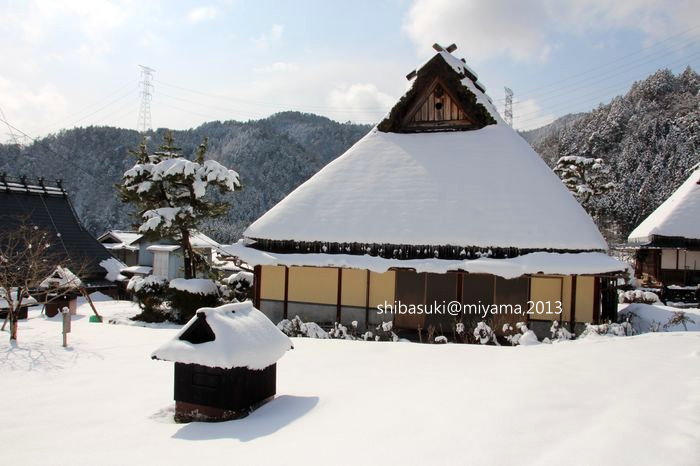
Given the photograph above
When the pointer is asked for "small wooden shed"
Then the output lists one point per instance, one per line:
(225, 363)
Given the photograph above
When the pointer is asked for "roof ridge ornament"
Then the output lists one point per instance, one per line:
(449, 49)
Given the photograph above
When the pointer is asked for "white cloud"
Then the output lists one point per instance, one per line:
(266, 39)
(27, 108)
(524, 30)
(278, 67)
(202, 13)
(480, 28)
(364, 99)
(334, 88)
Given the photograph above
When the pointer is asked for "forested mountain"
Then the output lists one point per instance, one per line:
(648, 137)
(273, 156)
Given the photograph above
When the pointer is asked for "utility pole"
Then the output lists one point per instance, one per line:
(508, 113)
(143, 123)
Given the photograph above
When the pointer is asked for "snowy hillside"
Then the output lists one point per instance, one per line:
(273, 156)
(649, 138)
(600, 400)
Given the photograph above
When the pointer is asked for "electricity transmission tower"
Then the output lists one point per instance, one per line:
(508, 113)
(143, 123)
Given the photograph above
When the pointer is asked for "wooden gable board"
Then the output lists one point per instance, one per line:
(437, 106)
(404, 117)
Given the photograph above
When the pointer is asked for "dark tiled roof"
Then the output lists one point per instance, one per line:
(49, 208)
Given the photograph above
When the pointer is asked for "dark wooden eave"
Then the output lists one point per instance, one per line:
(398, 251)
(658, 241)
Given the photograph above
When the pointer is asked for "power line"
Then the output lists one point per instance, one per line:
(224, 109)
(545, 95)
(591, 96)
(267, 104)
(9, 127)
(119, 91)
(618, 60)
(131, 104)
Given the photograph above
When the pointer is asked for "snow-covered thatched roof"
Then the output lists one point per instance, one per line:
(678, 216)
(232, 335)
(481, 187)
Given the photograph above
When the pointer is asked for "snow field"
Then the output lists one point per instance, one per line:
(601, 400)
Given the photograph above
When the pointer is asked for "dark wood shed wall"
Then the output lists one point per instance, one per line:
(234, 389)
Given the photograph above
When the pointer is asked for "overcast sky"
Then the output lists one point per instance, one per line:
(75, 62)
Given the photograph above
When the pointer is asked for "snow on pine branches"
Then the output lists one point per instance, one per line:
(585, 177)
(171, 193)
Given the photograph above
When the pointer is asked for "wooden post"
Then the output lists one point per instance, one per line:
(257, 274)
(65, 314)
(367, 301)
(339, 303)
(572, 313)
(596, 299)
(285, 313)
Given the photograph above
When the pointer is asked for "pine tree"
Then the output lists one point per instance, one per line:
(586, 178)
(170, 193)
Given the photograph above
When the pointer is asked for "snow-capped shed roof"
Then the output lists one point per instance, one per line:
(27, 300)
(201, 241)
(677, 216)
(120, 239)
(474, 182)
(232, 335)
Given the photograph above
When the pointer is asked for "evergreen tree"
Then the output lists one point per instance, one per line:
(170, 193)
(585, 177)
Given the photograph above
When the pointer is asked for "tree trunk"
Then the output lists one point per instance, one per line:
(13, 324)
(188, 253)
(13, 313)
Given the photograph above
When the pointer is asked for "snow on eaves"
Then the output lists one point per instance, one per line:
(244, 338)
(678, 216)
(138, 269)
(113, 267)
(27, 300)
(528, 264)
(163, 247)
(62, 277)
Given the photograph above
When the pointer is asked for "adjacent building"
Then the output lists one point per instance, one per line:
(162, 257)
(667, 242)
(46, 205)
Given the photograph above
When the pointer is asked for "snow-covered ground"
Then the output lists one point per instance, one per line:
(600, 400)
(647, 318)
